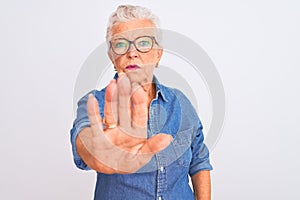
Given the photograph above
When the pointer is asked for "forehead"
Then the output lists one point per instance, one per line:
(133, 29)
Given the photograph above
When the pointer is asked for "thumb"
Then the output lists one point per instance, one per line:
(156, 143)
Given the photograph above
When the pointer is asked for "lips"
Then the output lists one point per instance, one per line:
(132, 67)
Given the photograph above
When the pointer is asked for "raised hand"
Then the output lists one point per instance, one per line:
(122, 145)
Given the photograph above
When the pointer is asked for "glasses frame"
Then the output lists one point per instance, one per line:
(133, 42)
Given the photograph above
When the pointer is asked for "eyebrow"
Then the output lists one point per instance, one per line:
(123, 36)
(119, 38)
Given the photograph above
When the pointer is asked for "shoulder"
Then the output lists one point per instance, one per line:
(177, 98)
(99, 94)
(174, 94)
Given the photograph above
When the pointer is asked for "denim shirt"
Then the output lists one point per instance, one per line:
(165, 177)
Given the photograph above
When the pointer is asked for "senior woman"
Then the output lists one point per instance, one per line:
(142, 138)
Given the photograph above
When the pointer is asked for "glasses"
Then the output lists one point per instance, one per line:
(143, 44)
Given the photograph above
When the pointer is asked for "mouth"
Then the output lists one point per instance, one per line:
(132, 67)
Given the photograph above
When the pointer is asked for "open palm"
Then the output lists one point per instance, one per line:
(122, 144)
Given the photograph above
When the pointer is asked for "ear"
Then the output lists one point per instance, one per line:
(158, 54)
(111, 57)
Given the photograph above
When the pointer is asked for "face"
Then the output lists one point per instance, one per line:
(137, 65)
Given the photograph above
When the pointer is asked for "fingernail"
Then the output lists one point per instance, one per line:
(121, 74)
(90, 95)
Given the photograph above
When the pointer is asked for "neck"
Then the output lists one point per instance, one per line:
(151, 91)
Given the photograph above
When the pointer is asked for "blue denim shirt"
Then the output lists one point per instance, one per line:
(165, 177)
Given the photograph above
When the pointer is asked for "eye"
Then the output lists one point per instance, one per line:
(144, 43)
(120, 45)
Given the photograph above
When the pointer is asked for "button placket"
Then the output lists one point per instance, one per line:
(161, 175)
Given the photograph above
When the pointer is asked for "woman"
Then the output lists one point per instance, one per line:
(143, 139)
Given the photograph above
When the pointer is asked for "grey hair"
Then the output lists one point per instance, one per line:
(125, 13)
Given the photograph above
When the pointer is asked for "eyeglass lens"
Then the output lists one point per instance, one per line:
(122, 45)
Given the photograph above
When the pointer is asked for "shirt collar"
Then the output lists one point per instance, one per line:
(160, 90)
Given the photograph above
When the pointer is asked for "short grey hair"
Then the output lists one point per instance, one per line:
(125, 13)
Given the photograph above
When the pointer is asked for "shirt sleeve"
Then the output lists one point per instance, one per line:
(81, 121)
(200, 153)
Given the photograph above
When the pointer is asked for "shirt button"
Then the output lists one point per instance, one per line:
(161, 169)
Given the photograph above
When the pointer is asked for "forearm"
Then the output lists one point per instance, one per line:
(87, 157)
(201, 185)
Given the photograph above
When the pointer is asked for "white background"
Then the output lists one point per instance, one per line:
(254, 45)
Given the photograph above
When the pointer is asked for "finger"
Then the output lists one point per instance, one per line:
(94, 116)
(140, 107)
(124, 90)
(156, 143)
(111, 103)
(138, 77)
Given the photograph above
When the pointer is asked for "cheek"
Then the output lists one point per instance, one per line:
(156, 55)
(151, 59)
(118, 60)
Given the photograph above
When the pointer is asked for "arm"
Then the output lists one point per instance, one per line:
(200, 164)
(201, 185)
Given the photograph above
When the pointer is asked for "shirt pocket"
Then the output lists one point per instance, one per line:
(185, 159)
(182, 147)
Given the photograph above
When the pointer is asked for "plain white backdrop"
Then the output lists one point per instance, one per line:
(254, 45)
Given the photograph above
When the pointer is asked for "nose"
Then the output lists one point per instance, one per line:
(132, 52)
